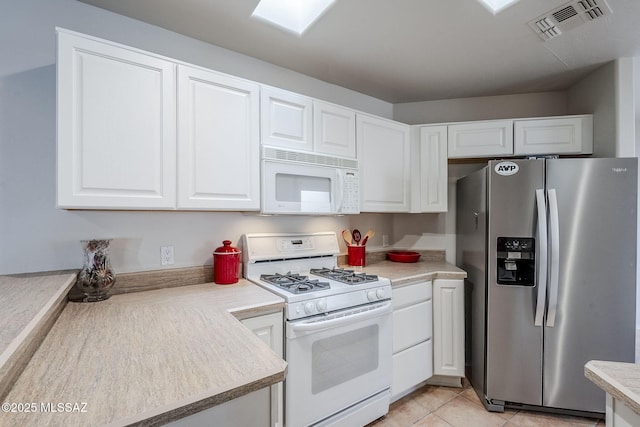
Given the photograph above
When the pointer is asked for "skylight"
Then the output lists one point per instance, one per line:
(292, 15)
(496, 6)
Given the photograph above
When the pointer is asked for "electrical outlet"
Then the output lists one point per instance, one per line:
(166, 255)
(385, 240)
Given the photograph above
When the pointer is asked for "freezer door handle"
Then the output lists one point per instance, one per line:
(542, 246)
(554, 227)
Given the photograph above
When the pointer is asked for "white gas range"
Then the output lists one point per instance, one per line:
(338, 332)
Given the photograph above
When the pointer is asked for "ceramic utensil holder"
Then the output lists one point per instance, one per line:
(356, 255)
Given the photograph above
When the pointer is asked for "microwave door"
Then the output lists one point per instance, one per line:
(299, 189)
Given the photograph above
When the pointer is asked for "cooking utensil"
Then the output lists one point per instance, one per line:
(367, 236)
(346, 235)
(356, 236)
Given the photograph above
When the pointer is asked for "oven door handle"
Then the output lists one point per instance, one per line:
(342, 318)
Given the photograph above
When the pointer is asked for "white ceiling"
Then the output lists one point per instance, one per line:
(409, 50)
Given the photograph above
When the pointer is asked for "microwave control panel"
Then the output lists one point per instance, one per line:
(351, 193)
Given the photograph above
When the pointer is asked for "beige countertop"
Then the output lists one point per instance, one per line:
(401, 273)
(149, 357)
(29, 305)
(145, 358)
(620, 380)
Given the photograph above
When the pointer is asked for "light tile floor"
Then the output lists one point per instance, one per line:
(432, 406)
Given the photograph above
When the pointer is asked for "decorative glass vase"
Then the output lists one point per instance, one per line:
(96, 277)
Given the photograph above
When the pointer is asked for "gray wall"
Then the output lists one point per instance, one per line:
(482, 108)
(599, 93)
(596, 93)
(34, 235)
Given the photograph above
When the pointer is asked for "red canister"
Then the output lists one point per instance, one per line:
(226, 264)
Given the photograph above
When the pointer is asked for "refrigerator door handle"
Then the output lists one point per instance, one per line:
(542, 246)
(554, 226)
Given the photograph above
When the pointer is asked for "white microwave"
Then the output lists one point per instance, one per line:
(305, 183)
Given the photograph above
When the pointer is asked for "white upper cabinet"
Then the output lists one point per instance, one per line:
(480, 139)
(334, 130)
(554, 135)
(116, 126)
(384, 158)
(429, 169)
(287, 119)
(218, 141)
(522, 137)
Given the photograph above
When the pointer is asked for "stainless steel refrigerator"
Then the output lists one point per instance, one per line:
(549, 246)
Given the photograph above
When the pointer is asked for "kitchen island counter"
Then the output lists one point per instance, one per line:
(621, 382)
(147, 358)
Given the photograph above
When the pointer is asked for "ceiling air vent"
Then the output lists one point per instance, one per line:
(568, 16)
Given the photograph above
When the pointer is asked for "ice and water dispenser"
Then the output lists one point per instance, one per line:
(516, 261)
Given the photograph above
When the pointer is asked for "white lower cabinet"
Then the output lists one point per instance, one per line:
(269, 328)
(448, 327)
(412, 332)
(619, 414)
(246, 411)
(261, 408)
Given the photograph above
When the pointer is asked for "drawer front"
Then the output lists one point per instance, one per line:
(412, 325)
(411, 367)
(411, 294)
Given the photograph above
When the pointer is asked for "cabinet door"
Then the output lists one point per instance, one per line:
(383, 154)
(286, 119)
(448, 327)
(269, 328)
(334, 130)
(411, 325)
(246, 411)
(218, 141)
(411, 367)
(433, 169)
(413, 293)
(562, 135)
(116, 126)
(480, 139)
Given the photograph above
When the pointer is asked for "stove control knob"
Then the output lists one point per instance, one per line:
(309, 308)
(321, 305)
(371, 295)
(380, 293)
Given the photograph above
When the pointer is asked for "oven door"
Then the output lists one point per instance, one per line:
(336, 361)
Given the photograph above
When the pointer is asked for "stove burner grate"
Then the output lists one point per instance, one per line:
(349, 277)
(295, 283)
